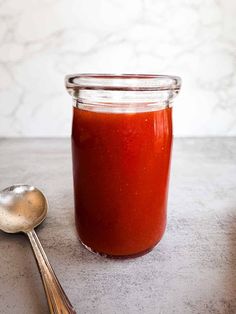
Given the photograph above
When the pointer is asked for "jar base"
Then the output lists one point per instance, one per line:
(118, 256)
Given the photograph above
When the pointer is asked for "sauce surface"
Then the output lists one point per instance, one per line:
(121, 171)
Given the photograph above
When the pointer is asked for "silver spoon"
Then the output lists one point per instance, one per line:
(22, 208)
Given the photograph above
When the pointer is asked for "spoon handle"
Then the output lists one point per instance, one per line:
(57, 300)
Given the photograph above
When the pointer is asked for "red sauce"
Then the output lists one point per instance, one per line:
(121, 168)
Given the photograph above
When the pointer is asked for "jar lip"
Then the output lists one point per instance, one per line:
(122, 82)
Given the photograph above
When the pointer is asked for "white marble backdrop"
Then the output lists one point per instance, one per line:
(42, 40)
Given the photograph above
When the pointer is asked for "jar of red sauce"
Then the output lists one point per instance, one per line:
(121, 148)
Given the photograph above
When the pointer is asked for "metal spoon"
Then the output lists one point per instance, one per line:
(22, 208)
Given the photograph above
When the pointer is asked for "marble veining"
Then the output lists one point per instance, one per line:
(41, 41)
(192, 270)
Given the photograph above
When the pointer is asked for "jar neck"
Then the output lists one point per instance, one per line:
(122, 93)
(120, 101)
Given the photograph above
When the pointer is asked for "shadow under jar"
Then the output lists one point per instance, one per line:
(121, 147)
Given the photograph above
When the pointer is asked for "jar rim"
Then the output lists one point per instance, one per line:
(122, 82)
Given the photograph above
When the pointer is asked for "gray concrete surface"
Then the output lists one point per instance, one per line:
(193, 270)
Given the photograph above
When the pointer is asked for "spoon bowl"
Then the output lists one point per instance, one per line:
(22, 208)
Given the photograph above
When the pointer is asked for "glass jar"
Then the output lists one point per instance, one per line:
(121, 147)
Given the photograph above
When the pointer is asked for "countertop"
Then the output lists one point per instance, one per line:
(192, 270)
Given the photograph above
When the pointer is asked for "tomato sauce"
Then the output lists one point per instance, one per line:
(121, 167)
